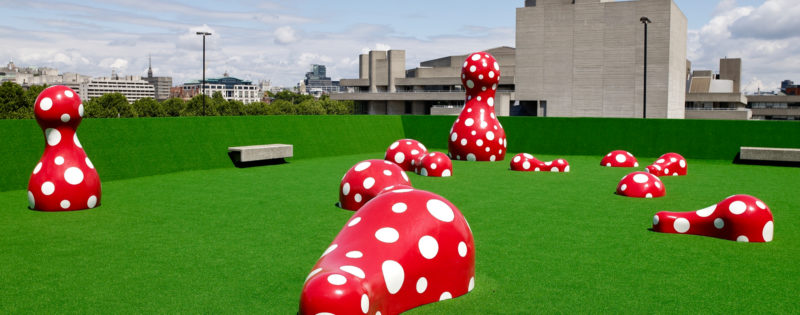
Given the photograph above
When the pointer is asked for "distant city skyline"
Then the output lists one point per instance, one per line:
(279, 40)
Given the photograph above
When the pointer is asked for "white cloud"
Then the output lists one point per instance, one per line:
(285, 35)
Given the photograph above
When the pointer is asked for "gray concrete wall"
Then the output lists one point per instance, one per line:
(363, 66)
(743, 114)
(731, 69)
(676, 92)
(396, 61)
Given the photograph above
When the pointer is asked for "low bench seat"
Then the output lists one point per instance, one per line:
(769, 154)
(263, 152)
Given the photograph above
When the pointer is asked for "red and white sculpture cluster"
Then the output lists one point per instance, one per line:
(526, 162)
(740, 218)
(476, 134)
(64, 179)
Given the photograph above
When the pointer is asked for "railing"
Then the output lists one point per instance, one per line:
(424, 91)
(718, 108)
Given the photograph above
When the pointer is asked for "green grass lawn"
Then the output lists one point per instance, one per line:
(243, 240)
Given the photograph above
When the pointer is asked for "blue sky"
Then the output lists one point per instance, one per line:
(278, 40)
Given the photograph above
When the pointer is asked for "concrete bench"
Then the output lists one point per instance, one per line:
(769, 154)
(260, 153)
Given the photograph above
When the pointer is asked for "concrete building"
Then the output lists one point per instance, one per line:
(133, 87)
(161, 85)
(231, 89)
(317, 82)
(584, 58)
(717, 96)
(384, 85)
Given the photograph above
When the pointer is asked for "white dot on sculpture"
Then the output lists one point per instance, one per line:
(46, 104)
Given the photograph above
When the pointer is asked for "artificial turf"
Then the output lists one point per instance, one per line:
(232, 240)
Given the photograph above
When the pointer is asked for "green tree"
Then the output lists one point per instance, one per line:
(111, 105)
(148, 107)
(337, 107)
(12, 100)
(194, 107)
(310, 107)
(284, 107)
(231, 108)
(292, 97)
(173, 107)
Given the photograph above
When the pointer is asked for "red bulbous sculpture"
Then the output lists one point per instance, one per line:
(435, 164)
(367, 179)
(669, 164)
(64, 179)
(477, 134)
(741, 218)
(403, 249)
(405, 153)
(641, 185)
(619, 158)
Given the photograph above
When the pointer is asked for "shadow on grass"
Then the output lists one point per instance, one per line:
(738, 160)
(235, 160)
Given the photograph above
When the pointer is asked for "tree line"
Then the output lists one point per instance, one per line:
(17, 103)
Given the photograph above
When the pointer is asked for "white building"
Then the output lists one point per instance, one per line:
(133, 87)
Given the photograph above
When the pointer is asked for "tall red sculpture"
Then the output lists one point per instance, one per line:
(65, 178)
(403, 249)
(477, 134)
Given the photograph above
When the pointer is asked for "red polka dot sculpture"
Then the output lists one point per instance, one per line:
(528, 163)
(403, 249)
(435, 164)
(404, 152)
(670, 164)
(477, 134)
(64, 179)
(366, 179)
(641, 185)
(740, 218)
(619, 158)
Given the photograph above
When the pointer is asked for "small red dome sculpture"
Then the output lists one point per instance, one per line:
(404, 152)
(641, 185)
(403, 249)
(670, 164)
(619, 158)
(526, 162)
(741, 218)
(476, 134)
(64, 179)
(367, 179)
(435, 164)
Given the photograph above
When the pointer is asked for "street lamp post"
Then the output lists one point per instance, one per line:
(203, 84)
(645, 21)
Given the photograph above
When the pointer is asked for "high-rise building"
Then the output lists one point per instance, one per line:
(161, 85)
(317, 81)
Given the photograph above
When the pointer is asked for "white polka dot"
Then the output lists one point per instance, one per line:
(369, 182)
(80, 110)
(445, 296)
(489, 135)
(354, 254)
(48, 188)
(621, 158)
(59, 160)
(357, 197)
(399, 157)
(394, 145)
(488, 149)
(422, 284)
(554, 169)
(608, 164)
(491, 74)
(37, 168)
(65, 118)
(329, 250)
(362, 166)
(517, 158)
(465, 64)
(719, 223)
(65, 204)
(428, 247)
(387, 235)
(440, 210)
(640, 178)
(414, 152)
(758, 203)
(681, 225)
(490, 101)
(705, 212)
(666, 171)
(526, 165)
(462, 249)
(470, 84)
(433, 166)
(475, 57)
(91, 202)
(494, 86)
(469, 122)
(659, 161)
(364, 303)
(649, 195)
(399, 207)
(471, 157)
(453, 136)
(471, 284)
(31, 200)
(743, 239)
(393, 275)
(68, 93)
(46, 104)
(408, 142)
(737, 207)
(337, 279)
(353, 270)
(388, 172)
(623, 187)
(53, 136)
(484, 124)
(682, 163)
(346, 189)
(655, 220)
(636, 164)
(424, 172)
(354, 221)
(766, 233)
(492, 158)
(474, 132)
(446, 173)
(75, 140)
(312, 273)
(673, 160)
(658, 185)
(479, 142)
(405, 177)
(472, 68)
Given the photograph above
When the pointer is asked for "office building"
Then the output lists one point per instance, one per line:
(231, 89)
(133, 87)
(161, 85)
